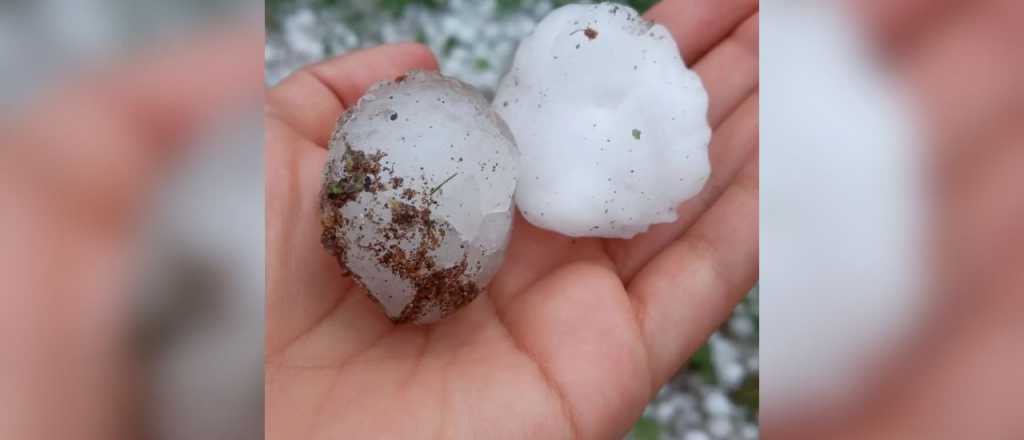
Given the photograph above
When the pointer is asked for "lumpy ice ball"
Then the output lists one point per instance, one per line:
(610, 123)
(417, 195)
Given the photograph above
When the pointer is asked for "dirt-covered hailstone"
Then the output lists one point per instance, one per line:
(610, 124)
(417, 195)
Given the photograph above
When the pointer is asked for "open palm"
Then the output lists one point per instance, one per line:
(572, 337)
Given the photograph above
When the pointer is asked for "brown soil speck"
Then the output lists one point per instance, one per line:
(360, 172)
(591, 33)
(406, 215)
(445, 288)
(410, 221)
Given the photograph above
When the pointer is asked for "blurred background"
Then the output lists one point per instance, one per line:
(890, 248)
(715, 396)
(149, 308)
(891, 230)
(41, 41)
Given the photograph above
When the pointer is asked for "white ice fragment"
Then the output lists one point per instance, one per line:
(417, 198)
(696, 435)
(610, 123)
(716, 403)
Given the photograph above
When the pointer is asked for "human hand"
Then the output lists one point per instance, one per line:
(572, 337)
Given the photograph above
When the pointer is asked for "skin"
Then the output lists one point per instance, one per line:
(573, 337)
(77, 210)
(77, 169)
(962, 66)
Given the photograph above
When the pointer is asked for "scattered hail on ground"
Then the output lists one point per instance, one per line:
(610, 123)
(417, 195)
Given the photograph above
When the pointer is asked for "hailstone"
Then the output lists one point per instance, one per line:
(417, 195)
(610, 124)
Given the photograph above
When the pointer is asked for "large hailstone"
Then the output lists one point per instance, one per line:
(610, 123)
(417, 195)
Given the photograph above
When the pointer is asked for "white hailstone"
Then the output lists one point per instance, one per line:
(689, 418)
(732, 374)
(696, 435)
(417, 195)
(749, 432)
(742, 326)
(725, 357)
(716, 403)
(610, 123)
(720, 427)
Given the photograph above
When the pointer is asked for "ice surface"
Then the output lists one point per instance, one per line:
(417, 196)
(610, 123)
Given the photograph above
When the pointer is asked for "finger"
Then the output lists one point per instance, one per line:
(170, 91)
(98, 144)
(965, 74)
(186, 85)
(697, 25)
(686, 292)
(891, 23)
(312, 99)
(303, 282)
(729, 71)
(327, 317)
(316, 316)
(733, 146)
(977, 225)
